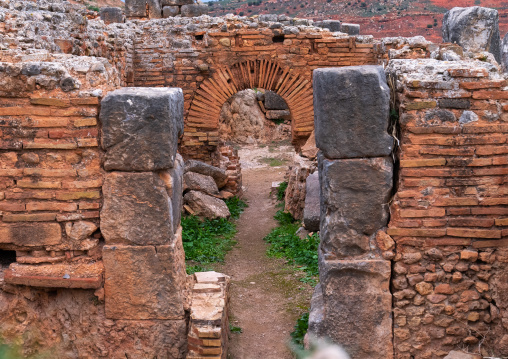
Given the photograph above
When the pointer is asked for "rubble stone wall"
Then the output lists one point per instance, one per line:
(449, 214)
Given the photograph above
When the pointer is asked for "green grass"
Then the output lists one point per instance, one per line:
(273, 162)
(207, 241)
(281, 191)
(300, 329)
(284, 243)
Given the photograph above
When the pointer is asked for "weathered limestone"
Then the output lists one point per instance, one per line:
(144, 282)
(332, 25)
(169, 11)
(218, 174)
(504, 53)
(273, 101)
(351, 106)
(194, 10)
(311, 211)
(350, 29)
(31, 234)
(137, 209)
(141, 127)
(206, 206)
(354, 203)
(198, 182)
(135, 8)
(475, 28)
(112, 15)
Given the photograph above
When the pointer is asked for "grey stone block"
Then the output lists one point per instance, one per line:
(176, 2)
(273, 101)
(277, 114)
(357, 307)
(135, 8)
(504, 53)
(350, 29)
(112, 15)
(218, 174)
(154, 9)
(354, 203)
(198, 182)
(137, 209)
(474, 28)
(311, 211)
(194, 10)
(351, 108)
(332, 25)
(170, 11)
(268, 17)
(141, 127)
(457, 103)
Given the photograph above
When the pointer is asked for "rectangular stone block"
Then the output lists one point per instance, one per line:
(135, 8)
(351, 108)
(141, 128)
(31, 234)
(144, 282)
(357, 307)
(354, 202)
(137, 209)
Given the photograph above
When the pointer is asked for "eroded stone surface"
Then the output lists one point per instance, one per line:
(311, 211)
(141, 127)
(354, 202)
(137, 209)
(218, 174)
(198, 182)
(206, 206)
(351, 106)
(31, 234)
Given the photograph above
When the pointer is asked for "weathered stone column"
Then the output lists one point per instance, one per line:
(352, 304)
(140, 218)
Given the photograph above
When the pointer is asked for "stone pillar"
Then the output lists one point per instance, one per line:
(140, 218)
(352, 304)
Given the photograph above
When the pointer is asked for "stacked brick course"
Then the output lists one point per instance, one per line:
(449, 215)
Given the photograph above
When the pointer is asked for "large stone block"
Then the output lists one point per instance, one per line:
(218, 174)
(141, 127)
(31, 234)
(311, 211)
(137, 209)
(332, 25)
(351, 108)
(350, 29)
(112, 15)
(135, 8)
(354, 202)
(474, 28)
(194, 10)
(176, 2)
(357, 307)
(273, 101)
(144, 282)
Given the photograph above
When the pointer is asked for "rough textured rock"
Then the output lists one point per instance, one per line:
(311, 211)
(294, 200)
(173, 179)
(474, 28)
(197, 182)
(79, 230)
(154, 9)
(504, 53)
(277, 114)
(194, 10)
(206, 206)
(144, 282)
(461, 355)
(241, 119)
(218, 174)
(351, 106)
(273, 101)
(135, 8)
(176, 2)
(141, 127)
(137, 209)
(169, 11)
(350, 29)
(357, 305)
(112, 15)
(31, 234)
(310, 150)
(332, 25)
(354, 203)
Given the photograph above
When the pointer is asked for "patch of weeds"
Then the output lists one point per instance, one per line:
(235, 329)
(273, 162)
(281, 191)
(278, 121)
(93, 8)
(284, 243)
(300, 329)
(235, 206)
(207, 241)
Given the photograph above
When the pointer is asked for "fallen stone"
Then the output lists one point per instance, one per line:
(311, 211)
(176, 2)
(474, 28)
(226, 194)
(302, 233)
(141, 127)
(350, 29)
(206, 206)
(78, 231)
(112, 15)
(354, 203)
(277, 114)
(197, 182)
(144, 282)
(194, 10)
(351, 106)
(273, 101)
(357, 307)
(137, 209)
(461, 355)
(218, 174)
(170, 11)
(310, 150)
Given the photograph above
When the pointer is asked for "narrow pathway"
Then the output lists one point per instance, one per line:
(266, 296)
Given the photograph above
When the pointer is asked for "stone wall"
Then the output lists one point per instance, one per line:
(448, 217)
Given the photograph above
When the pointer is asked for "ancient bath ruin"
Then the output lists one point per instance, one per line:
(100, 115)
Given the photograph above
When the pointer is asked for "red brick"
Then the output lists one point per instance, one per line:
(46, 101)
(423, 162)
(473, 233)
(50, 144)
(456, 201)
(85, 101)
(410, 232)
(26, 183)
(490, 210)
(494, 201)
(471, 222)
(66, 196)
(413, 213)
(458, 211)
(502, 222)
(482, 84)
(435, 222)
(490, 95)
(51, 206)
(39, 217)
(49, 172)
(491, 244)
(12, 206)
(481, 72)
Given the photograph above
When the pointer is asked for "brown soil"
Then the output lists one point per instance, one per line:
(266, 295)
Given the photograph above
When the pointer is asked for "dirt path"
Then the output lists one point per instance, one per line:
(266, 296)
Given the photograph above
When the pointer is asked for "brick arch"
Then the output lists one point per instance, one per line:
(226, 81)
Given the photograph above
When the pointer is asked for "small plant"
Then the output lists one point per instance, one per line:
(93, 8)
(429, 26)
(273, 162)
(235, 329)
(300, 329)
(281, 191)
(235, 206)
